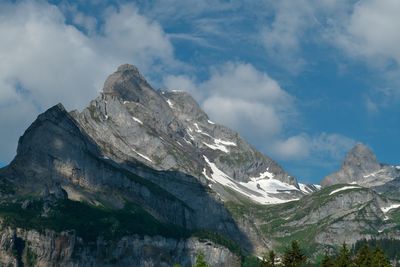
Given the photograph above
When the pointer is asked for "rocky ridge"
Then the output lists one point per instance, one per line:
(362, 167)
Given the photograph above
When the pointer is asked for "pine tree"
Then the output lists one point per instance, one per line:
(293, 256)
(379, 259)
(344, 258)
(269, 260)
(327, 261)
(363, 257)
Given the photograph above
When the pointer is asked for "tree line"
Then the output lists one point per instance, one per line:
(363, 256)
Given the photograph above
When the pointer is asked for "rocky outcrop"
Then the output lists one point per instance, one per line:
(20, 247)
(362, 167)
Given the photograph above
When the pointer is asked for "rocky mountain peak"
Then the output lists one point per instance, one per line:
(128, 84)
(362, 167)
(362, 158)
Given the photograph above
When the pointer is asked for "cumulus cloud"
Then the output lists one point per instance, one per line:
(45, 61)
(254, 104)
(371, 31)
(241, 97)
(320, 146)
(370, 34)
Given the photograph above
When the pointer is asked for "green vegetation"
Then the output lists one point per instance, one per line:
(6, 187)
(391, 247)
(200, 261)
(219, 239)
(29, 257)
(88, 221)
(294, 256)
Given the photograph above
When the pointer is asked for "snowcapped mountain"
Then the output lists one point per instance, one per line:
(167, 130)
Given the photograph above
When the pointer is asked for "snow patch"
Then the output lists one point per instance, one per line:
(263, 175)
(272, 186)
(226, 143)
(143, 156)
(304, 188)
(398, 167)
(217, 147)
(258, 191)
(170, 103)
(388, 208)
(344, 188)
(126, 102)
(188, 132)
(137, 120)
(210, 122)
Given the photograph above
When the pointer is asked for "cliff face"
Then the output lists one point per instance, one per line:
(20, 247)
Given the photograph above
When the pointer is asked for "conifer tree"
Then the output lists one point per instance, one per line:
(327, 261)
(363, 256)
(379, 259)
(293, 256)
(344, 257)
(269, 260)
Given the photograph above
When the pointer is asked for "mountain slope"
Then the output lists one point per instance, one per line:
(167, 130)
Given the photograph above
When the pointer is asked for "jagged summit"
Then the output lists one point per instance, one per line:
(128, 67)
(362, 167)
(362, 156)
(127, 83)
(168, 131)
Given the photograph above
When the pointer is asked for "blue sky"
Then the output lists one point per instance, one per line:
(302, 81)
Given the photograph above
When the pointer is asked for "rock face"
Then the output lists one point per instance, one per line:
(362, 167)
(20, 247)
(168, 131)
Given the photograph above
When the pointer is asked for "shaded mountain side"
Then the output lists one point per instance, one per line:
(54, 152)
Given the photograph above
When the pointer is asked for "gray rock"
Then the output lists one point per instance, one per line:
(362, 167)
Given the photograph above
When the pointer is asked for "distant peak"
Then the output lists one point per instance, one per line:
(361, 151)
(127, 67)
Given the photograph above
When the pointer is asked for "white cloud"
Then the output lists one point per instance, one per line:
(181, 82)
(320, 148)
(295, 147)
(45, 61)
(252, 103)
(371, 31)
(241, 97)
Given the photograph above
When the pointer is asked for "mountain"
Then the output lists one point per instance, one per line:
(135, 150)
(167, 130)
(143, 177)
(362, 167)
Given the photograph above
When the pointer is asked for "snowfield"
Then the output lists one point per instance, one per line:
(261, 191)
(344, 188)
